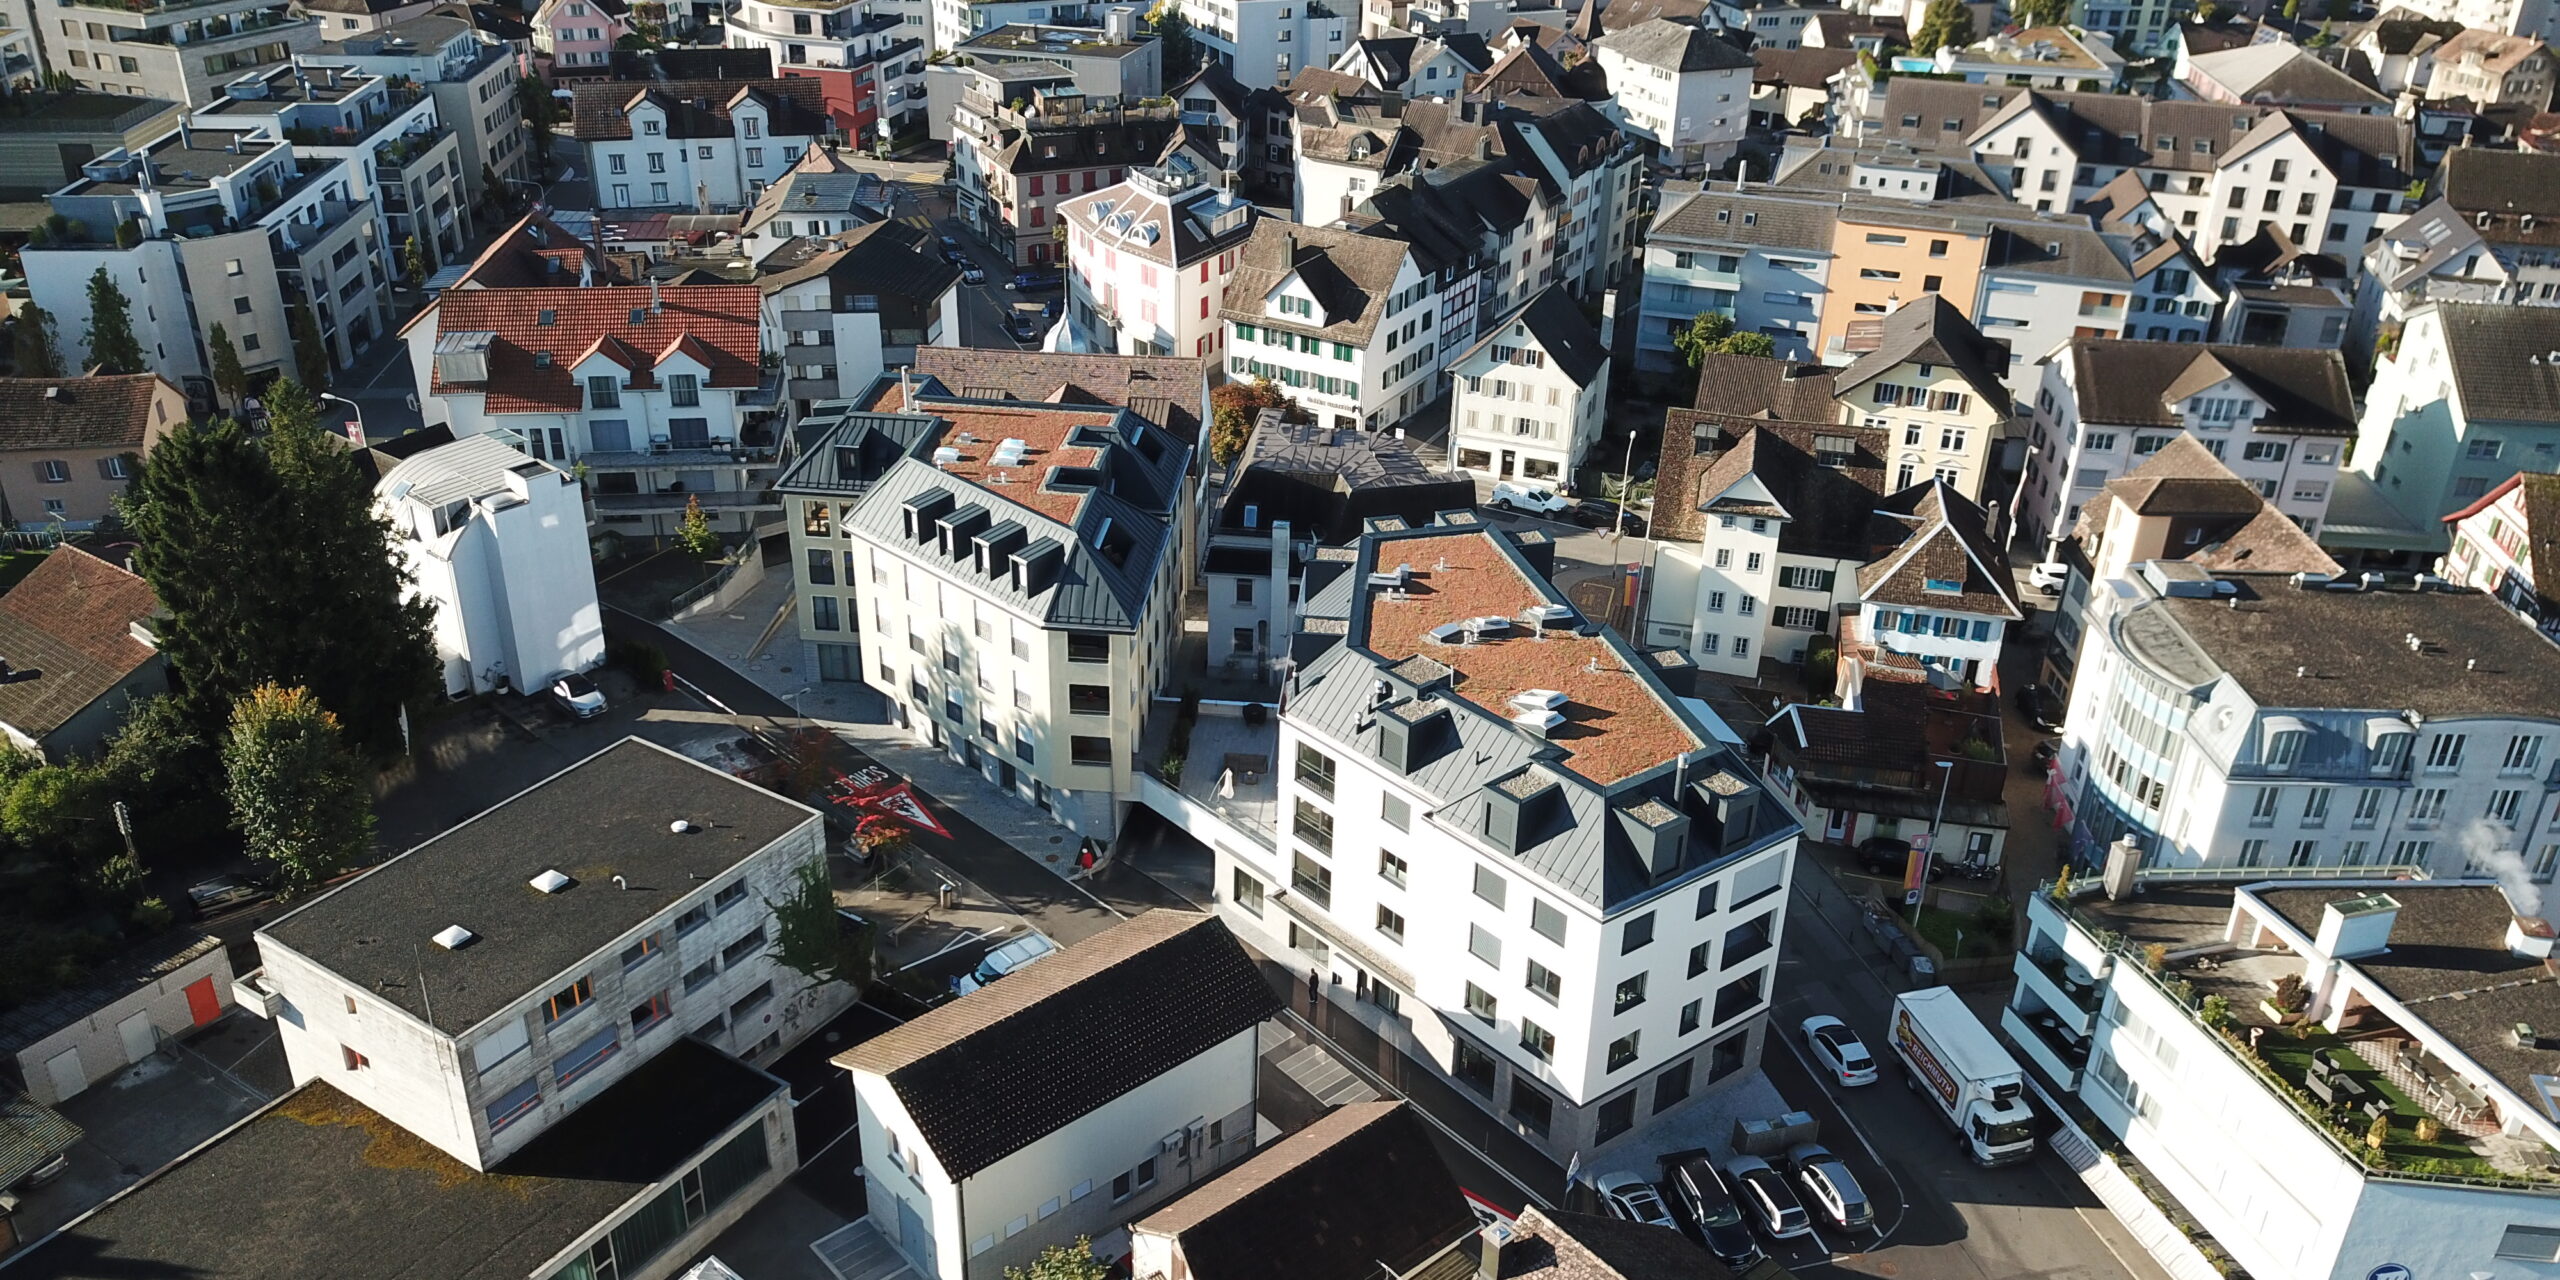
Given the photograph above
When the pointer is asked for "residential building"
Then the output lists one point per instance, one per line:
(1112, 64)
(401, 155)
(79, 635)
(1532, 393)
(42, 153)
(575, 39)
(2515, 17)
(1895, 759)
(1682, 90)
(115, 1018)
(2279, 418)
(1364, 1181)
(1416, 64)
(472, 78)
(2175, 296)
(2138, 30)
(1265, 43)
(2456, 406)
(1792, 87)
(2257, 1161)
(1014, 161)
(1105, 1129)
(2489, 69)
(1008, 575)
(658, 393)
(1168, 393)
(1566, 902)
(2277, 73)
(2499, 543)
(2490, 234)
(703, 145)
(1247, 129)
(340, 19)
(1934, 380)
(182, 54)
(1340, 318)
(237, 230)
(1299, 488)
(69, 447)
(1148, 261)
(1763, 261)
(852, 305)
(2055, 57)
(866, 56)
(2313, 723)
(497, 542)
(821, 196)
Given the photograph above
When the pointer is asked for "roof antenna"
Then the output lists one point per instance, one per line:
(418, 959)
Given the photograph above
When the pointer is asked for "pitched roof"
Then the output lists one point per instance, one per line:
(2541, 503)
(1554, 321)
(2500, 356)
(534, 252)
(2241, 530)
(1677, 47)
(2499, 53)
(1833, 511)
(601, 110)
(2127, 130)
(113, 411)
(1137, 216)
(71, 622)
(721, 318)
(1008, 1064)
(2136, 384)
(2497, 191)
(2283, 73)
(1929, 330)
(1350, 274)
(1766, 386)
(1361, 1189)
(1949, 542)
(883, 259)
(1770, 219)
(1170, 392)
(1555, 1245)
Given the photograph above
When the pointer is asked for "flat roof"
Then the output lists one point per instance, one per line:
(976, 430)
(604, 816)
(192, 159)
(320, 1187)
(1028, 37)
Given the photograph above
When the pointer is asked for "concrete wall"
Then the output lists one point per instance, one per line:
(86, 732)
(96, 1040)
(782, 1156)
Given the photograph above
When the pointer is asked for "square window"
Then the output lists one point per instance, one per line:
(1630, 994)
(1622, 1051)
(1390, 924)
(1396, 811)
(1546, 921)
(1537, 1040)
(1490, 886)
(567, 1000)
(1484, 946)
(1544, 984)
(1689, 1017)
(1391, 868)
(1247, 893)
(1481, 1003)
(1637, 933)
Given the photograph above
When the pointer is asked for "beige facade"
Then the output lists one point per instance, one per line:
(76, 486)
(154, 996)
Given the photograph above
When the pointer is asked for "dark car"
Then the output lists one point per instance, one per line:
(1593, 513)
(2041, 708)
(2042, 754)
(1038, 279)
(1884, 855)
(226, 893)
(951, 250)
(1714, 1216)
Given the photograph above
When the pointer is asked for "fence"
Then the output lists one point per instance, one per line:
(741, 574)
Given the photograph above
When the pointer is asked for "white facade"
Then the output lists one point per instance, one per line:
(1694, 119)
(1148, 262)
(2435, 437)
(651, 170)
(1772, 280)
(1371, 386)
(1518, 410)
(498, 543)
(1734, 598)
(1265, 43)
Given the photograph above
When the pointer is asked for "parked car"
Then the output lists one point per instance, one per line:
(951, 250)
(1026, 321)
(2039, 706)
(1038, 279)
(1884, 855)
(1766, 1197)
(2042, 754)
(2049, 577)
(972, 274)
(1633, 1199)
(1513, 495)
(578, 696)
(1714, 1212)
(1840, 1050)
(226, 893)
(1829, 1187)
(1005, 959)
(1594, 513)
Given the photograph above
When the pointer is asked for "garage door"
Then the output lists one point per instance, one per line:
(203, 1005)
(68, 1078)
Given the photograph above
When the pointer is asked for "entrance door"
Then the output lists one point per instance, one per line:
(1509, 460)
(141, 1039)
(915, 1240)
(203, 1005)
(1835, 828)
(68, 1078)
(1977, 847)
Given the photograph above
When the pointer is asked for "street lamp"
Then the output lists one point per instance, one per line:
(354, 408)
(1947, 773)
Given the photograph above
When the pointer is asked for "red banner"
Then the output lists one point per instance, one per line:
(876, 790)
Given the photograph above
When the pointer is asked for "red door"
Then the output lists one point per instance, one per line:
(202, 1005)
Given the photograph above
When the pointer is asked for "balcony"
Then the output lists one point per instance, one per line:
(393, 156)
(674, 501)
(715, 452)
(2057, 1056)
(2071, 994)
(814, 388)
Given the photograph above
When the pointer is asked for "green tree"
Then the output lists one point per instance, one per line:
(1234, 406)
(112, 346)
(37, 356)
(2207, 11)
(695, 533)
(310, 353)
(301, 800)
(1748, 344)
(811, 939)
(540, 109)
(1948, 22)
(1705, 333)
(229, 378)
(1177, 51)
(413, 259)
(2039, 13)
(1063, 1262)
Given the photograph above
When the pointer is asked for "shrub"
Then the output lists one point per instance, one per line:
(2379, 1132)
(2290, 995)
(2429, 1129)
(151, 915)
(2216, 1012)
(2155, 956)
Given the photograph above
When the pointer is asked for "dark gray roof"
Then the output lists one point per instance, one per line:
(1930, 330)
(2501, 360)
(318, 1187)
(2133, 384)
(1008, 1064)
(147, 962)
(604, 816)
(1674, 46)
(31, 1135)
(1555, 1245)
(2507, 187)
(1350, 273)
(1554, 321)
(1326, 481)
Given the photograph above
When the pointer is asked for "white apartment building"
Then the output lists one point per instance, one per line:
(854, 304)
(1341, 319)
(658, 392)
(1265, 43)
(2241, 720)
(401, 155)
(1761, 259)
(472, 78)
(525, 991)
(2458, 405)
(1148, 262)
(1567, 902)
(181, 53)
(705, 145)
(1532, 393)
(1682, 90)
(2256, 1160)
(498, 543)
(2278, 417)
(1007, 574)
(845, 34)
(2538, 18)
(1103, 1130)
(2491, 234)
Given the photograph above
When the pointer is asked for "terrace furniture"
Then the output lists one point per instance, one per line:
(2375, 1109)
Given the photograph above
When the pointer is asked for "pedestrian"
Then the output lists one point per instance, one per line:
(1315, 989)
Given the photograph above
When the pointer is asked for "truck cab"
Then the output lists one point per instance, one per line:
(2000, 1130)
(1952, 1060)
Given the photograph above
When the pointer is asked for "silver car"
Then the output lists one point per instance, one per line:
(1003, 960)
(1829, 1187)
(1632, 1198)
(1767, 1199)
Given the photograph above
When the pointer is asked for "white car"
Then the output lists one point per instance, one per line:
(1633, 1199)
(2049, 577)
(1839, 1050)
(1510, 495)
(578, 696)
(1003, 960)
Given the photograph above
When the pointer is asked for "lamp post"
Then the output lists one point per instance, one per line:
(352, 407)
(1946, 774)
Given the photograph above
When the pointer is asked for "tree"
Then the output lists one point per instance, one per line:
(1705, 333)
(1233, 409)
(310, 353)
(291, 408)
(810, 938)
(2292, 10)
(1179, 53)
(2208, 12)
(1948, 22)
(229, 378)
(413, 259)
(2039, 13)
(37, 356)
(112, 346)
(301, 801)
(1063, 1262)
(1748, 344)
(540, 109)
(695, 533)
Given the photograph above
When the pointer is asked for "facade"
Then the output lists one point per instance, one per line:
(702, 145)
(866, 54)
(659, 393)
(1107, 1129)
(1016, 159)
(1532, 393)
(472, 78)
(2456, 407)
(2489, 69)
(2263, 1169)
(399, 154)
(2491, 234)
(854, 304)
(1341, 319)
(2279, 418)
(81, 634)
(2313, 724)
(164, 988)
(2496, 548)
(1113, 64)
(1007, 574)
(1265, 43)
(69, 447)
(39, 155)
(1148, 261)
(1567, 903)
(498, 543)
(1683, 91)
(182, 54)
(1935, 381)
(574, 39)
(1898, 760)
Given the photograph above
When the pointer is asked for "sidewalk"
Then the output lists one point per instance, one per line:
(747, 638)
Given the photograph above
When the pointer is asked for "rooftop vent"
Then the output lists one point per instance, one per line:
(1537, 700)
(551, 882)
(454, 937)
(1395, 577)
(1547, 615)
(1541, 723)
(945, 456)
(2530, 937)
(681, 827)
(1009, 452)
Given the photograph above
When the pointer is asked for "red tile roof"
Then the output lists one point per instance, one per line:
(71, 621)
(1044, 430)
(719, 320)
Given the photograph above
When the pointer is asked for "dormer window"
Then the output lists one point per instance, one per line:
(548, 318)
(649, 127)
(541, 359)
(1944, 586)
(2285, 736)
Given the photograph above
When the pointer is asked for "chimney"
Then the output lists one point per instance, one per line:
(2359, 926)
(657, 305)
(2124, 858)
(1608, 320)
(2529, 937)
(1493, 1241)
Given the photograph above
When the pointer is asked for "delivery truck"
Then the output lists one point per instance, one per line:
(1951, 1059)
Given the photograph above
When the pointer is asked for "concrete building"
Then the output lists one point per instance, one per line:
(2456, 407)
(1684, 91)
(2054, 57)
(41, 153)
(2253, 1158)
(69, 447)
(2279, 418)
(400, 155)
(2310, 724)
(2497, 544)
(1106, 1130)
(1148, 261)
(181, 53)
(80, 636)
(1935, 381)
(1532, 393)
(165, 987)
(1565, 902)
(867, 55)
(574, 39)
(2490, 234)
(1265, 43)
(702, 145)
(472, 78)
(2535, 18)
(340, 19)
(853, 304)
(498, 543)
(1016, 158)
(1341, 319)
(2277, 73)
(1247, 128)
(1112, 64)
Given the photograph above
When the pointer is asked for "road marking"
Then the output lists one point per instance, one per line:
(1840, 1105)
(954, 945)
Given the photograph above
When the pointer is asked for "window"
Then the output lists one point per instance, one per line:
(1671, 1087)
(355, 1061)
(1484, 946)
(1391, 868)
(1616, 1116)
(1247, 892)
(728, 897)
(1490, 887)
(509, 1107)
(1630, 994)
(567, 1000)
(1314, 879)
(1086, 646)
(1543, 983)
(1740, 996)
(1473, 1067)
(1084, 749)
(1082, 699)
(1529, 1105)
(2426, 804)
(638, 953)
(700, 976)
(2524, 754)
(1637, 933)
(1747, 939)
(54, 472)
(1315, 771)
(684, 390)
(1546, 921)
(2444, 755)
(1540, 1042)
(1622, 1051)
(1396, 812)
(1314, 826)
(604, 393)
(589, 1054)
(2530, 1244)
(648, 1013)
(750, 1002)
(2504, 805)
(743, 949)
(1480, 1003)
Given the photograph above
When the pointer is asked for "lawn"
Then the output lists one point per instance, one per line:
(2291, 1060)
(1941, 926)
(16, 564)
